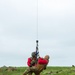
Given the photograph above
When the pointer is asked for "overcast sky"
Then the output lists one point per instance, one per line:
(56, 31)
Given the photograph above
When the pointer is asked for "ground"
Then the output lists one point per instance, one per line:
(49, 71)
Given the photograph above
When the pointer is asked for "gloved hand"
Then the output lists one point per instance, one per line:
(33, 62)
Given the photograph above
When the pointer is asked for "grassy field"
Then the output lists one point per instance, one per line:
(48, 71)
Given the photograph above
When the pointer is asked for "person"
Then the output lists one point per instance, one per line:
(32, 60)
(39, 67)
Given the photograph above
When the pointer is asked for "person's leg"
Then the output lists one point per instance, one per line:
(27, 71)
(37, 73)
(33, 69)
(30, 73)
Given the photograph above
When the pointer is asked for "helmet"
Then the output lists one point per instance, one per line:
(33, 54)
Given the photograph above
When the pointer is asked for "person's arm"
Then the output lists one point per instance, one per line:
(29, 62)
(42, 61)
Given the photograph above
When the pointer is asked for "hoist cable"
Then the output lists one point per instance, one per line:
(37, 23)
(37, 50)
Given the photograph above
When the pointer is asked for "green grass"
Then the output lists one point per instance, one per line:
(48, 71)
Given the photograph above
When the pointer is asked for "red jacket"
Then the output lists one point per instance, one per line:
(29, 61)
(42, 61)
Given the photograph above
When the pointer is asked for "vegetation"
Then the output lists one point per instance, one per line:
(49, 71)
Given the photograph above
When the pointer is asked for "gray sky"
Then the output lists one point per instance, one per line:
(56, 31)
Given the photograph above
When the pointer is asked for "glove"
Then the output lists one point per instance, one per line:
(33, 62)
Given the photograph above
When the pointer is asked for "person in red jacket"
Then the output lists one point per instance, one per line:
(39, 67)
(32, 60)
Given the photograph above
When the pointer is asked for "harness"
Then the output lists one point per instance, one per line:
(37, 50)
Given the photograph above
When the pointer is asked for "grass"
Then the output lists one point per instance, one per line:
(49, 71)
